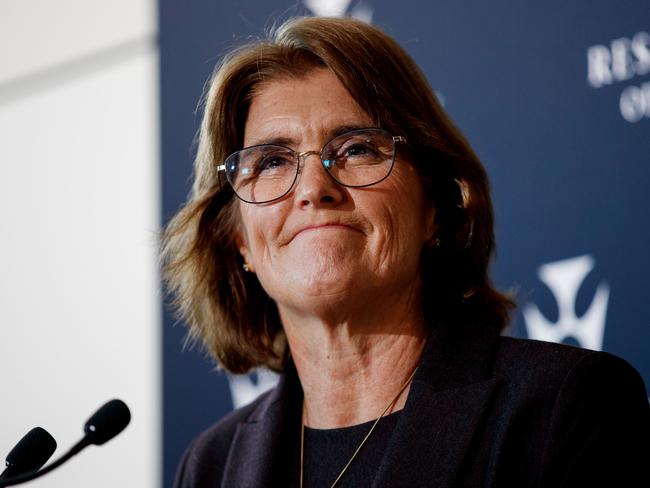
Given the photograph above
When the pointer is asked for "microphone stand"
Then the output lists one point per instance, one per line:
(23, 478)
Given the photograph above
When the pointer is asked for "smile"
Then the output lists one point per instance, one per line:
(332, 226)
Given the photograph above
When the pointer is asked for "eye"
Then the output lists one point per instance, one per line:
(255, 159)
(272, 162)
(360, 149)
(357, 151)
(353, 149)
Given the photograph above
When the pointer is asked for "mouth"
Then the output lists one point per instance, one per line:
(333, 226)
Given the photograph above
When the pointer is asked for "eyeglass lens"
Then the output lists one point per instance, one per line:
(263, 173)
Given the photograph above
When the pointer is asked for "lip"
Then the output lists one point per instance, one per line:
(325, 225)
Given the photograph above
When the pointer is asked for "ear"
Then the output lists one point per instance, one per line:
(242, 246)
(431, 227)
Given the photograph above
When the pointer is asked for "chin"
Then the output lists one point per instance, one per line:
(325, 282)
(309, 284)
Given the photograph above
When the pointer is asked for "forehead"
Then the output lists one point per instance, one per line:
(308, 107)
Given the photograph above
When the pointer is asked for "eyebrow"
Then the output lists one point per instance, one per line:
(290, 142)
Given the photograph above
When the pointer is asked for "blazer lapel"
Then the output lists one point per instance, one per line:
(428, 447)
(449, 394)
(259, 443)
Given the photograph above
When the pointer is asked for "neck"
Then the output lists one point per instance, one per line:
(351, 370)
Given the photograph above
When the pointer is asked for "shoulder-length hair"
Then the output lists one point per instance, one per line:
(226, 308)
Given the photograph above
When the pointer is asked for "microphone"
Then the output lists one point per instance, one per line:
(102, 426)
(31, 452)
(111, 419)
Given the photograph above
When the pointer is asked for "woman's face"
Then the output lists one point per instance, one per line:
(323, 245)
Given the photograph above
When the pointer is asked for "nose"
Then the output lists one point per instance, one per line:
(315, 187)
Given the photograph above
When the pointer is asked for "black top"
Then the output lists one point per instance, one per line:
(327, 451)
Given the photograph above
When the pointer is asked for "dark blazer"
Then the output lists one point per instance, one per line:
(483, 411)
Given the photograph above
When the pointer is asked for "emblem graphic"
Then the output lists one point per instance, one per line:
(340, 8)
(244, 388)
(564, 279)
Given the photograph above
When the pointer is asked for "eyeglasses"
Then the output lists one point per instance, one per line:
(267, 172)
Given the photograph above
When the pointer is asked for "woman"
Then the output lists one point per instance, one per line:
(339, 232)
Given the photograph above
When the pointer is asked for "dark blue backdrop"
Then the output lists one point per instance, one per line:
(567, 156)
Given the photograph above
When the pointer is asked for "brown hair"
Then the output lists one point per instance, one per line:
(227, 309)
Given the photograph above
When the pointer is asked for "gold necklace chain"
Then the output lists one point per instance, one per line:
(302, 432)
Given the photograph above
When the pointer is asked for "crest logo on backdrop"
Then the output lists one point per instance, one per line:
(622, 60)
(245, 388)
(564, 279)
(340, 8)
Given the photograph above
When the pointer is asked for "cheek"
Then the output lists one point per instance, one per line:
(246, 239)
(258, 229)
(402, 224)
(398, 239)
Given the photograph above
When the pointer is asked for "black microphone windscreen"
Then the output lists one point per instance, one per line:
(32, 451)
(107, 422)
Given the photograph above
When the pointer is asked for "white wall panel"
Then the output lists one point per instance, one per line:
(40, 34)
(79, 213)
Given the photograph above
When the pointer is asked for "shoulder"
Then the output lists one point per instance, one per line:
(203, 461)
(589, 410)
(536, 369)
(528, 361)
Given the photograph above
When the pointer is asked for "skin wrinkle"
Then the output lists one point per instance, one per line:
(348, 298)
